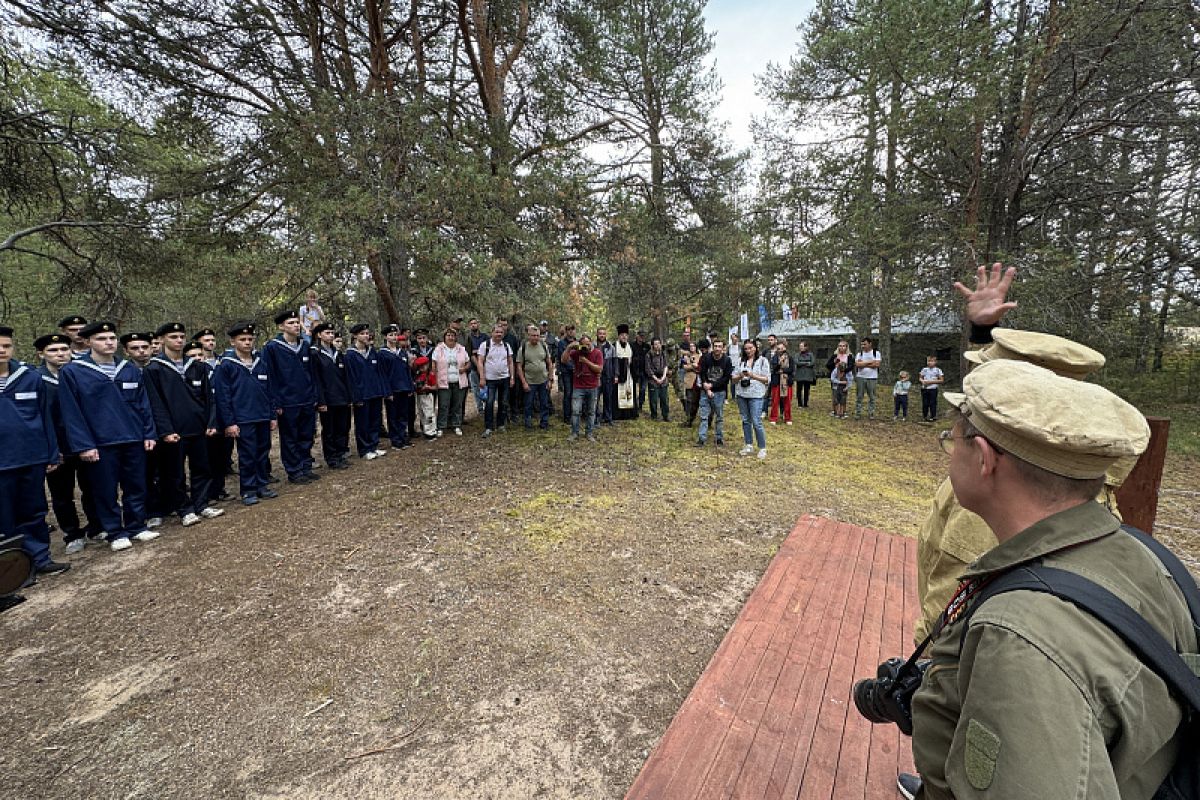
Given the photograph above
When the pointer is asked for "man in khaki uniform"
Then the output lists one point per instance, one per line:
(1031, 697)
(951, 538)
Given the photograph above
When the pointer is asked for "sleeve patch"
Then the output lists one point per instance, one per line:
(982, 751)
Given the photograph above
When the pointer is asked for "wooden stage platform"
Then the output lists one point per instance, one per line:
(771, 716)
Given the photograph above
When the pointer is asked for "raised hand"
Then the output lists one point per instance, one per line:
(986, 304)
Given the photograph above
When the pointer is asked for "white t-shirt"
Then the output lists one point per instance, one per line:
(866, 372)
(930, 374)
(452, 365)
(495, 357)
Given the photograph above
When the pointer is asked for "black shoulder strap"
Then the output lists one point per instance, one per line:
(1184, 579)
(1141, 637)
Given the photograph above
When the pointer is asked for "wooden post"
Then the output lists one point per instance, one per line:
(1137, 498)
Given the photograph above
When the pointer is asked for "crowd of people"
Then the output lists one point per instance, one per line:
(145, 424)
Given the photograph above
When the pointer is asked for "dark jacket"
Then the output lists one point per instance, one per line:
(243, 394)
(26, 422)
(804, 363)
(715, 372)
(654, 365)
(366, 376)
(291, 374)
(781, 374)
(182, 400)
(333, 383)
(98, 410)
(640, 351)
(395, 368)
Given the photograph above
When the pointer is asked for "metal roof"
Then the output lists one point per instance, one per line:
(933, 323)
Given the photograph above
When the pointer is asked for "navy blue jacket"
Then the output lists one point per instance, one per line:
(333, 384)
(397, 375)
(243, 394)
(366, 377)
(50, 382)
(98, 411)
(182, 401)
(26, 424)
(291, 374)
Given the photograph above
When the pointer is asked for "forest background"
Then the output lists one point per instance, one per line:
(416, 160)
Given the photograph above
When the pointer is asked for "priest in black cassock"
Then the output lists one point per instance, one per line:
(626, 405)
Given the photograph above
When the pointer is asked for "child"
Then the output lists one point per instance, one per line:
(900, 397)
(245, 409)
(931, 377)
(425, 378)
(840, 380)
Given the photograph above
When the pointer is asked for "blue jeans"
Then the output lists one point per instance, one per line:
(497, 395)
(583, 402)
(473, 379)
(565, 380)
(751, 410)
(712, 407)
(539, 394)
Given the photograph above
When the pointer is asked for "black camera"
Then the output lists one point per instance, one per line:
(888, 698)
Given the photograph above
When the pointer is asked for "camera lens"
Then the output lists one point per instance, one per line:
(867, 701)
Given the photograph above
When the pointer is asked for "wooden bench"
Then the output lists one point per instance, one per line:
(772, 716)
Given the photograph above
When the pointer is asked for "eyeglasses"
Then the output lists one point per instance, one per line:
(946, 440)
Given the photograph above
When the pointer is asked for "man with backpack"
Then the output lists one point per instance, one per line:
(534, 369)
(1031, 691)
(494, 360)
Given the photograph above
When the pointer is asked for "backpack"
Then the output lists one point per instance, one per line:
(1180, 671)
(521, 353)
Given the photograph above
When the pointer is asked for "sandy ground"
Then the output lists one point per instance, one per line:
(518, 617)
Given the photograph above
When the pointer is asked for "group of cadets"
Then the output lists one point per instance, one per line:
(145, 424)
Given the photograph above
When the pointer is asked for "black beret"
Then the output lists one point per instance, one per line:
(96, 327)
(421, 332)
(42, 342)
(359, 328)
(320, 327)
(390, 329)
(6, 331)
(136, 337)
(205, 332)
(170, 327)
(285, 315)
(74, 319)
(241, 328)
(193, 345)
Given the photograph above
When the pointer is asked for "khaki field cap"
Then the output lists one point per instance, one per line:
(1067, 358)
(1064, 426)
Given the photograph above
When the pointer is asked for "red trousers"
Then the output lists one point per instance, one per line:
(784, 394)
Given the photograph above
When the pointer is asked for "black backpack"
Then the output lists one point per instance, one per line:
(1181, 672)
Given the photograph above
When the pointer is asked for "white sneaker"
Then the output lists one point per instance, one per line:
(789, 422)
(380, 453)
(458, 431)
(120, 544)
(146, 536)
(762, 454)
(747, 450)
(75, 546)
(211, 513)
(189, 519)
(154, 522)
(439, 434)
(371, 456)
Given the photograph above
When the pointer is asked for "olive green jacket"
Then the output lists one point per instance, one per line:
(949, 541)
(1044, 700)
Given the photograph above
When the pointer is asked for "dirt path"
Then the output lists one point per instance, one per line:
(512, 618)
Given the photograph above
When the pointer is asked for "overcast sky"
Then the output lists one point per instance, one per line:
(749, 34)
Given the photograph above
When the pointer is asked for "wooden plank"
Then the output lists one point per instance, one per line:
(1137, 497)
(684, 755)
(789, 771)
(822, 767)
(742, 766)
(855, 754)
(772, 716)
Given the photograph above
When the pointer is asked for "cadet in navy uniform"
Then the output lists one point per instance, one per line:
(30, 451)
(367, 389)
(244, 405)
(393, 362)
(109, 425)
(139, 348)
(333, 396)
(71, 326)
(220, 447)
(185, 417)
(289, 364)
(55, 352)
